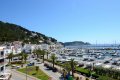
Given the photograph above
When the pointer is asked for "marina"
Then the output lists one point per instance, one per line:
(99, 56)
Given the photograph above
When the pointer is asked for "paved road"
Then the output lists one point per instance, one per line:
(55, 76)
(75, 74)
(20, 76)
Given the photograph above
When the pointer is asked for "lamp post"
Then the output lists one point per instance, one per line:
(26, 72)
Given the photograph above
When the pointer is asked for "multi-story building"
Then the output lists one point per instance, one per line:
(3, 72)
(1, 61)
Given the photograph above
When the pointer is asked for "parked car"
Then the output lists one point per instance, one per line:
(45, 64)
(38, 62)
(13, 66)
(17, 67)
(31, 64)
(54, 69)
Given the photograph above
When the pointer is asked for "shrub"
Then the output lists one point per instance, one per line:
(17, 62)
(95, 76)
(86, 72)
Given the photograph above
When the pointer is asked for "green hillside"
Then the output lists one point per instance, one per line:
(12, 32)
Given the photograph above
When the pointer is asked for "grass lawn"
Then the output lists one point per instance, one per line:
(32, 71)
(82, 70)
(105, 78)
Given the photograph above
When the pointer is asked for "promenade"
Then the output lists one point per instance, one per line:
(75, 74)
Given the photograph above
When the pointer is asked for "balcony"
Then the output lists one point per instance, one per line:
(1, 56)
(5, 76)
(3, 63)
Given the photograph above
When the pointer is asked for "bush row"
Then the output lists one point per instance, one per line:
(86, 72)
(17, 62)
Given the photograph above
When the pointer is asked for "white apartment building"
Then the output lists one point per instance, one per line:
(4, 74)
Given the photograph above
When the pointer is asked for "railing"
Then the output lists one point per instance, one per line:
(1, 56)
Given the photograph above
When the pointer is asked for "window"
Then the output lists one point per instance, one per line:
(2, 68)
(2, 52)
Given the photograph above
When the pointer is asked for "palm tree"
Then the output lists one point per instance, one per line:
(43, 54)
(25, 57)
(67, 66)
(35, 53)
(10, 57)
(70, 66)
(53, 58)
(38, 53)
(47, 54)
(73, 65)
(22, 57)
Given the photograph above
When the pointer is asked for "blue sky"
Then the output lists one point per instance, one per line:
(66, 20)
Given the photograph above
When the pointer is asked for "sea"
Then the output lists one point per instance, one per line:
(96, 46)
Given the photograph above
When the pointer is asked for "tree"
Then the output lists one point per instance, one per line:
(10, 57)
(47, 54)
(53, 58)
(34, 52)
(37, 53)
(67, 66)
(70, 66)
(72, 63)
(25, 57)
(22, 56)
(40, 53)
(43, 52)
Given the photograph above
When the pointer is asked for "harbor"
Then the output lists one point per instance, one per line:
(99, 56)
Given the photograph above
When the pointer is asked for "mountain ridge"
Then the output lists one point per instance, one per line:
(75, 43)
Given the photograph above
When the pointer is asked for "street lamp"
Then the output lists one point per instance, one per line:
(26, 72)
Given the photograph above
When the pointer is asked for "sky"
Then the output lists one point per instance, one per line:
(66, 20)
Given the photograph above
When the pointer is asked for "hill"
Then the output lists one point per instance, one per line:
(11, 32)
(76, 43)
